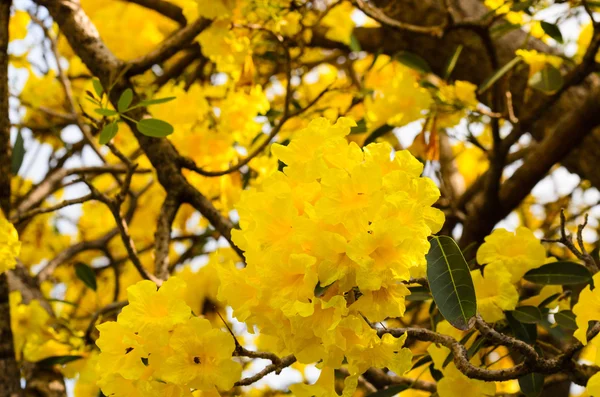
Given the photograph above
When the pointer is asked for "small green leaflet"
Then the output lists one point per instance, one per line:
(498, 74)
(106, 112)
(108, 132)
(354, 44)
(98, 87)
(60, 360)
(154, 128)
(18, 154)
(527, 314)
(566, 319)
(525, 332)
(87, 275)
(553, 31)
(125, 100)
(413, 61)
(531, 384)
(559, 273)
(450, 282)
(548, 80)
(452, 62)
(361, 126)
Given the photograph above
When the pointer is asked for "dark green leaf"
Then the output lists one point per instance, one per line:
(108, 132)
(18, 153)
(60, 360)
(97, 87)
(361, 126)
(390, 391)
(86, 274)
(452, 62)
(154, 127)
(413, 61)
(498, 74)
(125, 100)
(418, 294)
(525, 332)
(156, 101)
(354, 44)
(553, 31)
(422, 361)
(559, 273)
(527, 314)
(450, 282)
(532, 384)
(548, 80)
(548, 300)
(378, 133)
(566, 319)
(106, 112)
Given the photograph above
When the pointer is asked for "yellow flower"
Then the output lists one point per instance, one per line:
(593, 386)
(455, 384)
(325, 386)
(201, 357)
(517, 252)
(495, 292)
(10, 246)
(155, 310)
(537, 61)
(587, 309)
(18, 25)
(339, 23)
(383, 303)
(122, 351)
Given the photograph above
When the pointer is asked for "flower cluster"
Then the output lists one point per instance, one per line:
(328, 243)
(9, 245)
(157, 347)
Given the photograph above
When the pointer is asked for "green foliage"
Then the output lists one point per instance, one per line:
(450, 282)
(18, 153)
(87, 275)
(559, 273)
(150, 127)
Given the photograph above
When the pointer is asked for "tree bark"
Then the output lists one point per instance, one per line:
(10, 385)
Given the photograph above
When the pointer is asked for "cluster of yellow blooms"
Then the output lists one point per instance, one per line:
(157, 347)
(329, 240)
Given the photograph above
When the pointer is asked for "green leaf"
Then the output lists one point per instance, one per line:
(390, 391)
(354, 44)
(58, 360)
(559, 273)
(108, 132)
(361, 126)
(566, 319)
(422, 361)
(498, 74)
(531, 384)
(106, 112)
(418, 294)
(548, 300)
(452, 62)
(125, 100)
(527, 314)
(553, 31)
(87, 275)
(413, 61)
(548, 80)
(98, 87)
(450, 282)
(154, 127)
(156, 101)
(18, 153)
(525, 332)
